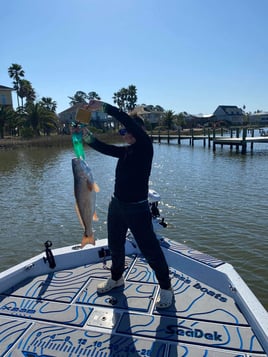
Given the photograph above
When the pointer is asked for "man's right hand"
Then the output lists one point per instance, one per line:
(88, 136)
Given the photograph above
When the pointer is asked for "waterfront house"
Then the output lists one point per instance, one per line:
(260, 118)
(99, 120)
(230, 114)
(198, 120)
(149, 114)
(6, 96)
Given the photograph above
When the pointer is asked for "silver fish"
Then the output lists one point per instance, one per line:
(85, 195)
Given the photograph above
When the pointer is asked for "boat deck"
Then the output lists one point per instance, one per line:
(61, 314)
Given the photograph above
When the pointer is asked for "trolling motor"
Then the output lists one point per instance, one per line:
(49, 255)
(154, 198)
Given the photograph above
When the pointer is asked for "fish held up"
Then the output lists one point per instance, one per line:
(85, 195)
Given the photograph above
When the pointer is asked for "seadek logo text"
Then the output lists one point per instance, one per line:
(194, 333)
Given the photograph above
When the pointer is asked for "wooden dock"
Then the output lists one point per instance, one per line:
(211, 138)
(239, 142)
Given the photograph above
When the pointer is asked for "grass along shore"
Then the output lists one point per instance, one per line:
(15, 142)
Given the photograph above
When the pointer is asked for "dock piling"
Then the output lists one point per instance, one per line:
(244, 143)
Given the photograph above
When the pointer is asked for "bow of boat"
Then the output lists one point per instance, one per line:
(56, 311)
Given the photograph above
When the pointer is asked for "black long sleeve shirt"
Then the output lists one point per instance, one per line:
(134, 161)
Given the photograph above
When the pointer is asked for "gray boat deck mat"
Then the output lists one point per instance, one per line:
(52, 341)
(193, 299)
(60, 314)
(62, 285)
(192, 253)
(39, 340)
(41, 310)
(132, 296)
(189, 331)
(10, 332)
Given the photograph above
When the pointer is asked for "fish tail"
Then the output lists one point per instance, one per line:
(87, 240)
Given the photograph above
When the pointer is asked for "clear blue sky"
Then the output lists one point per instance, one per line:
(185, 55)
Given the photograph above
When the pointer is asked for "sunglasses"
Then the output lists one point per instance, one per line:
(122, 131)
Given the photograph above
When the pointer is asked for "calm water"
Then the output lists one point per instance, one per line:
(214, 202)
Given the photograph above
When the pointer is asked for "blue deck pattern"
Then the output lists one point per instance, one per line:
(189, 331)
(192, 253)
(60, 314)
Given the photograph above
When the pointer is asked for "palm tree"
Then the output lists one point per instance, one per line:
(93, 95)
(168, 119)
(14, 123)
(26, 91)
(126, 98)
(9, 120)
(131, 97)
(180, 119)
(49, 104)
(50, 122)
(38, 118)
(79, 97)
(116, 99)
(120, 98)
(3, 119)
(16, 72)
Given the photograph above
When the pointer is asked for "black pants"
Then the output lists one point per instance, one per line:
(136, 217)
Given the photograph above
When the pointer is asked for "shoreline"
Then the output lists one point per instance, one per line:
(17, 142)
(14, 143)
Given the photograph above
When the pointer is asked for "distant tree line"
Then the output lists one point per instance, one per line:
(33, 117)
(125, 98)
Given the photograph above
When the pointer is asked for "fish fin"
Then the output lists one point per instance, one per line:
(93, 187)
(87, 240)
(79, 216)
(96, 187)
(95, 217)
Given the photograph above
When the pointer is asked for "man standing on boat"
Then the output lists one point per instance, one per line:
(129, 207)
